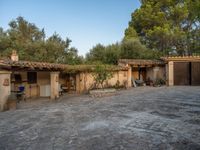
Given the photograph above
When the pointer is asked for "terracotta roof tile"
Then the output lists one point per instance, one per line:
(181, 58)
(31, 64)
(141, 62)
(52, 66)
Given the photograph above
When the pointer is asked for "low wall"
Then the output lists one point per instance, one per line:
(85, 81)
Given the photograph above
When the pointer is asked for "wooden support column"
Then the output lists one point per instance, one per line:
(170, 73)
(5, 87)
(54, 77)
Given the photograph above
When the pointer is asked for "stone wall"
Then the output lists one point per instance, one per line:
(54, 76)
(154, 73)
(85, 80)
(135, 73)
(5, 87)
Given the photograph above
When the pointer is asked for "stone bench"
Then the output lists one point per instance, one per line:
(102, 92)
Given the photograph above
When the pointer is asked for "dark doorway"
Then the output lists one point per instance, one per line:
(71, 82)
(187, 73)
(142, 73)
(195, 73)
(182, 73)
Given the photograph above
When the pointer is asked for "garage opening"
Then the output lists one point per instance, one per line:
(195, 73)
(187, 73)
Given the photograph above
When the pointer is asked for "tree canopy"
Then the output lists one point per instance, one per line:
(31, 44)
(167, 25)
(105, 54)
(157, 28)
(129, 48)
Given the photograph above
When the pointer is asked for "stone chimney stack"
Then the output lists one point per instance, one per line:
(14, 56)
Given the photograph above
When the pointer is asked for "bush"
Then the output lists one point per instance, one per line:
(160, 82)
(101, 74)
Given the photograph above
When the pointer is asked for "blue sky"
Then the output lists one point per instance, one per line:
(85, 22)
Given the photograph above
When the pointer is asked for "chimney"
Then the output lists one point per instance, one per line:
(14, 56)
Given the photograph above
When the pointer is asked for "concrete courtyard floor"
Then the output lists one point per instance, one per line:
(138, 118)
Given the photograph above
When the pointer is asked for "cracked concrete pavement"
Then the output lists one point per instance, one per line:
(138, 118)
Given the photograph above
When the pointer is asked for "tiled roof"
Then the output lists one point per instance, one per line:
(181, 58)
(30, 65)
(90, 68)
(141, 62)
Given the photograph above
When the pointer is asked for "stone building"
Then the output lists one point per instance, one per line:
(142, 69)
(183, 70)
(42, 79)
